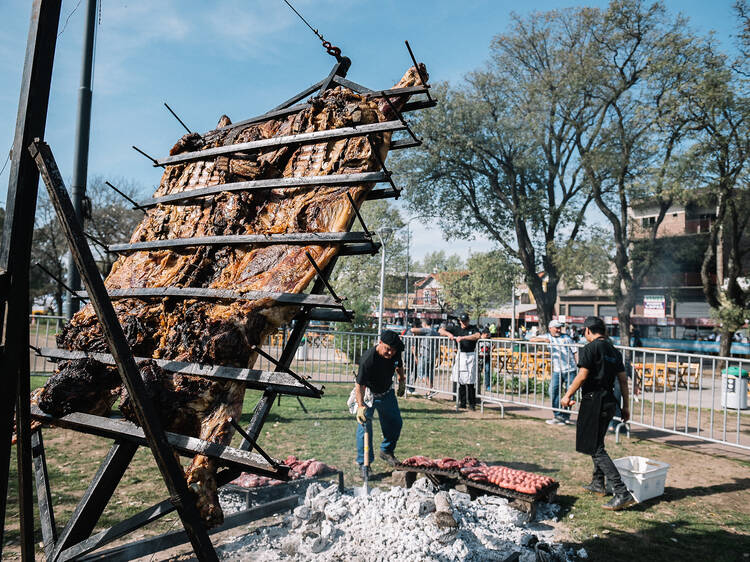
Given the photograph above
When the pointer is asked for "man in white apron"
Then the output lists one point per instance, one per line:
(464, 372)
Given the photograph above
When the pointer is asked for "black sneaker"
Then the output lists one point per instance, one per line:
(365, 472)
(388, 457)
(620, 501)
(596, 488)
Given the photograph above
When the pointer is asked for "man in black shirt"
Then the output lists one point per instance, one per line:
(464, 372)
(376, 369)
(598, 365)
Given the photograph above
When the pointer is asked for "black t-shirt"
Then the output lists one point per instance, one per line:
(376, 372)
(464, 345)
(603, 362)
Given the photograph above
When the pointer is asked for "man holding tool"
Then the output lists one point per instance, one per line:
(374, 391)
(599, 363)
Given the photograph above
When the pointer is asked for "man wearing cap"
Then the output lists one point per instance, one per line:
(464, 373)
(599, 363)
(376, 369)
(564, 367)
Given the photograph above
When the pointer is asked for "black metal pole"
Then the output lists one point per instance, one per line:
(81, 154)
(17, 234)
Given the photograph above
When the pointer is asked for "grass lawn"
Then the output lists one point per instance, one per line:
(703, 515)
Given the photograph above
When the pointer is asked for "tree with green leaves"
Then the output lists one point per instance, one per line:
(500, 158)
(720, 108)
(487, 279)
(634, 133)
(108, 217)
(437, 261)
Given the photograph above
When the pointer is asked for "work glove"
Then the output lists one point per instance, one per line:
(361, 418)
(401, 387)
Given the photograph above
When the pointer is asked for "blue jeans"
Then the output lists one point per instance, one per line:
(555, 390)
(487, 373)
(390, 424)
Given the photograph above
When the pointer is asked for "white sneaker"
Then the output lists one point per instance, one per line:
(554, 421)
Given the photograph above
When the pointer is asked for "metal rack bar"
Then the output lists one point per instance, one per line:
(383, 194)
(152, 545)
(340, 68)
(283, 110)
(400, 144)
(253, 444)
(275, 183)
(153, 431)
(124, 196)
(359, 249)
(417, 105)
(95, 498)
(300, 138)
(219, 294)
(281, 382)
(359, 88)
(183, 444)
(43, 494)
(294, 99)
(294, 238)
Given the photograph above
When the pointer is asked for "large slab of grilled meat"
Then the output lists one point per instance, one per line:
(221, 333)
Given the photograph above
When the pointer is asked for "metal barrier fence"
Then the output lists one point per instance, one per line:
(700, 396)
(42, 331)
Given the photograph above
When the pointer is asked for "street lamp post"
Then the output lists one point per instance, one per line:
(406, 283)
(385, 231)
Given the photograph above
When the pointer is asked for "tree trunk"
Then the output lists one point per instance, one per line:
(725, 347)
(544, 304)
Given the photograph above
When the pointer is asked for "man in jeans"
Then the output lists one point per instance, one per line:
(563, 367)
(376, 369)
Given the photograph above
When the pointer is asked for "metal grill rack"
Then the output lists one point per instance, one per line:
(32, 157)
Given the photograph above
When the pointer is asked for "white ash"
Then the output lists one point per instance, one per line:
(231, 502)
(398, 525)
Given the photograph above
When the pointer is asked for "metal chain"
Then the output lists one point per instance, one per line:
(330, 49)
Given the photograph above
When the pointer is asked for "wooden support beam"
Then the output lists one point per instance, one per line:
(175, 538)
(43, 494)
(154, 435)
(95, 498)
(15, 260)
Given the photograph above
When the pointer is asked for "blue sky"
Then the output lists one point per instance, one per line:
(243, 57)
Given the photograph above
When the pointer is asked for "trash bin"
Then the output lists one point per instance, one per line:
(734, 388)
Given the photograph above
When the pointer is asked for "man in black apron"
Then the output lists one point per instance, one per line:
(599, 363)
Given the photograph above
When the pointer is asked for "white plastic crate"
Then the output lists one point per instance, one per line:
(645, 478)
